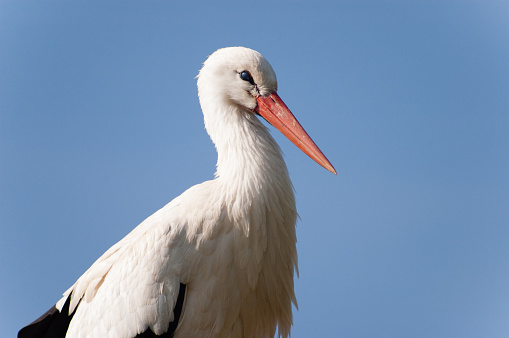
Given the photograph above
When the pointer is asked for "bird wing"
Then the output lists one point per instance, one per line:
(134, 285)
(133, 288)
(138, 285)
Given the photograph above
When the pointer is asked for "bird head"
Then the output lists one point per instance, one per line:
(242, 78)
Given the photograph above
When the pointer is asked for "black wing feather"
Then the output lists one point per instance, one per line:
(52, 324)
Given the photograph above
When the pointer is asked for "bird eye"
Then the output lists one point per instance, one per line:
(244, 75)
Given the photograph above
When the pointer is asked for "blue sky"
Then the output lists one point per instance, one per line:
(100, 126)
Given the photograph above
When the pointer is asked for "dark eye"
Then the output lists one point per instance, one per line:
(244, 75)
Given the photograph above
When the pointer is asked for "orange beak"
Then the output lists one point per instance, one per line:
(275, 111)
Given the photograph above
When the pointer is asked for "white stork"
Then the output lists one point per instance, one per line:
(219, 260)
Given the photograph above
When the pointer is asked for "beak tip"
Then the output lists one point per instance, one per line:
(330, 168)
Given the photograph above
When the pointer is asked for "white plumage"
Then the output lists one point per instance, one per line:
(230, 240)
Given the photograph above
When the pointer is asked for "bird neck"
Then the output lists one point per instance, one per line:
(250, 167)
(245, 148)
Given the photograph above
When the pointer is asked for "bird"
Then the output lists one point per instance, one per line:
(219, 260)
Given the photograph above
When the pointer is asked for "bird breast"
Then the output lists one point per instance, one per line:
(245, 257)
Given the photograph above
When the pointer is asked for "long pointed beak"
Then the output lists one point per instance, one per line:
(275, 111)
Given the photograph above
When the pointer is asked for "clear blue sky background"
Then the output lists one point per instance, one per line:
(100, 126)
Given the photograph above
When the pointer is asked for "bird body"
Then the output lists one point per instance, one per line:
(228, 244)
